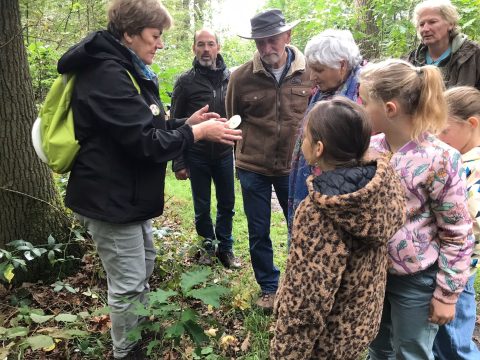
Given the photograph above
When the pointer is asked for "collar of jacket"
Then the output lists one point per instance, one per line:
(220, 66)
(298, 63)
(455, 44)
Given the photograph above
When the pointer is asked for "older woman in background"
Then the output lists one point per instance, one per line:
(443, 45)
(334, 60)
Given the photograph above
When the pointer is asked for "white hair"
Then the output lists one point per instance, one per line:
(332, 46)
(445, 8)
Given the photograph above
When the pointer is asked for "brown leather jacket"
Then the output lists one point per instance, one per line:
(270, 113)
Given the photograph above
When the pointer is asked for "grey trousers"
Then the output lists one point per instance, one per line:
(128, 256)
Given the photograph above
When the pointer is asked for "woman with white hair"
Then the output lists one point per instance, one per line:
(334, 61)
(443, 45)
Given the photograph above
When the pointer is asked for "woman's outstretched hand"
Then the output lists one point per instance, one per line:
(201, 116)
(216, 130)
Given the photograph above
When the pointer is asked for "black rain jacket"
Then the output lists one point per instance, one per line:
(125, 142)
(193, 90)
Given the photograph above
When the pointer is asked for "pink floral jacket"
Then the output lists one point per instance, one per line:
(438, 225)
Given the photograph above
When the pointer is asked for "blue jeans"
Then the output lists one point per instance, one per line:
(405, 332)
(257, 203)
(202, 172)
(454, 340)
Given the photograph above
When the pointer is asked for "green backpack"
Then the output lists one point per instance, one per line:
(53, 132)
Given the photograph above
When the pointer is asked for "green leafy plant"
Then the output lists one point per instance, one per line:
(168, 309)
(60, 285)
(23, 251)
(27, 331)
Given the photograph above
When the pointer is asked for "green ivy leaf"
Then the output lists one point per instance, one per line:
(17, 243)
(209, 295)
(63, 333)
(160, 296)
(151, 346)
(164, 310)
(70, 289)
(135, 334)
(66, 318)
(195, 332)
(51, 240)
(40, 319)
(101, 311)
(16, 332)
(51, 256)
(192, 278)
(188, 314)
(139, 309)
(39, 341)
(175, 331)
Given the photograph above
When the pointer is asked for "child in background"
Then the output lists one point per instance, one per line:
(454, 340)
(329, 303)
(430, 255)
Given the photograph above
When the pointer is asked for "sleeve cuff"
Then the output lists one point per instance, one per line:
(186, 131)
(444, 296)
(176, 123)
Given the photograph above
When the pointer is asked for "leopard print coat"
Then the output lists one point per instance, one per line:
(329, 303)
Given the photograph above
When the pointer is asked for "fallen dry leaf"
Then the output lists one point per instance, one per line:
(211, 332)
(246, 343)
(227, 341)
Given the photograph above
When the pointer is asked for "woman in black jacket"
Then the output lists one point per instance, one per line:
(116, 185)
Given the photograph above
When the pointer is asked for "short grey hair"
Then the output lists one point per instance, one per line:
(332, 46)
(446, 10)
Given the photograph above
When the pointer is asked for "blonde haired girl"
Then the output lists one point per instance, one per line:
(430, 255)
(454, 340)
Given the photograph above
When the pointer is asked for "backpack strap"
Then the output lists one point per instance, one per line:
(134, 82)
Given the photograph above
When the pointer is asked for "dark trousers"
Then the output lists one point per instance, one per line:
(202, 172)
(257, 202)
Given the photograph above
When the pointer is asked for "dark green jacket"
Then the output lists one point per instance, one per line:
(462, 67)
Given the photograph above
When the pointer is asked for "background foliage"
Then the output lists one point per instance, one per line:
(382, 28)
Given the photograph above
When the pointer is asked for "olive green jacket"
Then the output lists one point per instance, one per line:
(462, 67)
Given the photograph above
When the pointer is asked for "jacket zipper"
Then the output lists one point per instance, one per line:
(277, 105)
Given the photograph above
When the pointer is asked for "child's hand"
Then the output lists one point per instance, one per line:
(441, 313)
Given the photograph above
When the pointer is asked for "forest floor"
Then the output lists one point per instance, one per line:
(73, 311)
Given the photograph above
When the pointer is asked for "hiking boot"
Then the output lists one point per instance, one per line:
(265, 302)
(207, 255)
(228, 260)
(137, 353)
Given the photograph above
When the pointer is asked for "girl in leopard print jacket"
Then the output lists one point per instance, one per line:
(330, 301)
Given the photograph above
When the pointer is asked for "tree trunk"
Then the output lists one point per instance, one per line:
(199, 12)
(30, 207)
(366, 24)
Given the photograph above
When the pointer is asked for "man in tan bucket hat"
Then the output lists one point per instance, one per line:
(270, 93)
